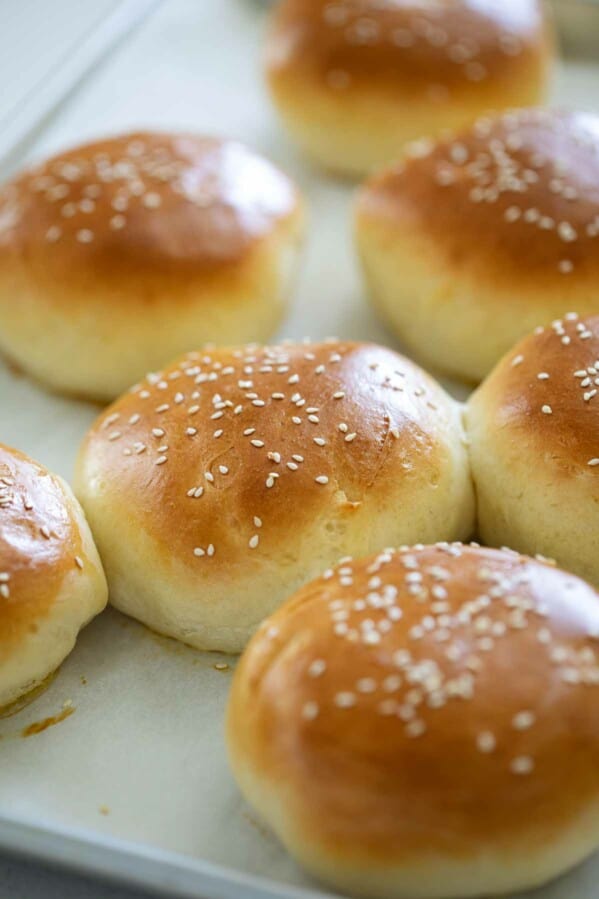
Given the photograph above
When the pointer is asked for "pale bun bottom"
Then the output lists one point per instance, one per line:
(353, 134)
(487, 871)
(524, 502)
(450, 321)
(99, 344)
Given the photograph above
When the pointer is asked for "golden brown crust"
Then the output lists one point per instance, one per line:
(173, 206)
(422, 704)
(434, 51)
(40, 543)
(269, 438)
(523, 188)
(544, 395)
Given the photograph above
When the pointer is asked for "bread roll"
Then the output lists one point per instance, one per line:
(533, 427)
(470, 245)
(51, 579)
(423, 724)
(219, 486)
(120, 254)
(355, 80)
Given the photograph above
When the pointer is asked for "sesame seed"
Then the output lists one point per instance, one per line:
(523, 720)
(310, 711)
(512, 214)
(84, 235)
(152, 200)
(546, 410)
(254, 541)
(317, 668)
(566, 232)
(322, 479)
(485, 741)
(344, 700)
(415, 728)
(521, 764)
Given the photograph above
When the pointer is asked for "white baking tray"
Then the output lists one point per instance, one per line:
(134, 784)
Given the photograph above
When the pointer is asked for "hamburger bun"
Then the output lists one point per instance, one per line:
(423, 723)
(120, 254)
(220, 485)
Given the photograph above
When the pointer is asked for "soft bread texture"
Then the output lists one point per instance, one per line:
(355, 80)
(120, 254)
(423, 724)
(533, 430)
(223, 483)
(51, 579)
(471, 242)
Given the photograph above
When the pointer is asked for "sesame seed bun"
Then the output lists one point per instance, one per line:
(120, 254)
(470, 243)
(219, 486)
(355, 80)
(533, 429)
(422, 724)
(51, 579)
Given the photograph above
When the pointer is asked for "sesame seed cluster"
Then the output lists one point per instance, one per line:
(321, 421)
(216, 196)
(457, 36)
(529, 179)
(412, 633)
(555, 372)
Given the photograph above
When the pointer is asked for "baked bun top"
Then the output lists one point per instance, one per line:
(523, 188)
(426, 699)
(413, 45)
(229, 453)
(40, 542)
(153, 201)
(544, 397)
